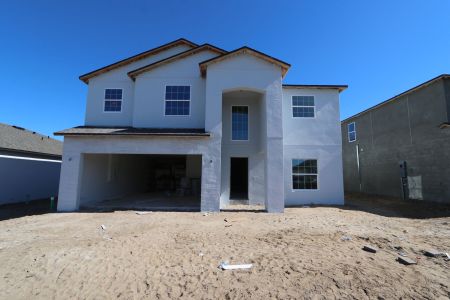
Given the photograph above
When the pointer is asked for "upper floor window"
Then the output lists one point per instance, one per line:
(113, 100)
(239, 123)
(304, 174)
(303, 106)
(178, 99)
(351, 131)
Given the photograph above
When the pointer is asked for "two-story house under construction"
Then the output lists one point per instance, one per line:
(194, 126)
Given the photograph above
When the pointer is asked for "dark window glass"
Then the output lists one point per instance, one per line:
(177, 100)
(239, 123)
(303, 106)
(304, 174)
(351, 132)
(113, 94)
(113, 105)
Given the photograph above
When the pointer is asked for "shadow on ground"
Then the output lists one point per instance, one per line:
(394, 207)
(22, 209)
(383, 206)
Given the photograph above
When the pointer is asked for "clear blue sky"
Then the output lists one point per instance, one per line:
(379, 48)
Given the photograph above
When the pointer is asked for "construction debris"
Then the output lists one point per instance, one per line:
(406, 261)
(103, 227)
(370, 249)
(346, 238)
(432, 253)
(225, 266)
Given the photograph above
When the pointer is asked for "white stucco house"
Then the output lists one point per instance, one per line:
(192, 124)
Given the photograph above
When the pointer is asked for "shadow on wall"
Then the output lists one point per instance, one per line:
(395, 207)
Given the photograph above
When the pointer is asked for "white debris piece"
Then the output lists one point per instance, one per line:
(226, 266)
(103, 227)
(143, 212)
(346, 238)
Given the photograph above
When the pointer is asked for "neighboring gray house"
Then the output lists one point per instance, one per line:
(401, 147)
(194, 125)
(30, 164)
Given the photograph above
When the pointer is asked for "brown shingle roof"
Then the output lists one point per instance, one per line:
(16, 138)
(92, 130)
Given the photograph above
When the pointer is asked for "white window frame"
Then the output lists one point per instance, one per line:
(316, 174)
(313, 106)
(104, 101)
(248, 123)
(165, 100)
(348, 131)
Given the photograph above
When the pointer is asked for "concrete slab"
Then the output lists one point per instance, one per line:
(147, 202)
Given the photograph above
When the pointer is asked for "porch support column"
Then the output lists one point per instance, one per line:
(211, 159)
(70, 181)
(274, 148)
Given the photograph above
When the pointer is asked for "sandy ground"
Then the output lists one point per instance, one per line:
(161, 255)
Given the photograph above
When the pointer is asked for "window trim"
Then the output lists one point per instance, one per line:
(317, 174)
(104, 101)
(348, 131)
(248, 123)
(165, 100)
(292, 107)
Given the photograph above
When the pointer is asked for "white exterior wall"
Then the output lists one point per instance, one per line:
(246, 72)
(253, 149)
(118, 78)
(25, 179)
(150, 88)
(314, 138)
(75, 149)
(279, 139)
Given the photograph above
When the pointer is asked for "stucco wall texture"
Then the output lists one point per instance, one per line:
(25, 179)
(406, 129)
(275, 137)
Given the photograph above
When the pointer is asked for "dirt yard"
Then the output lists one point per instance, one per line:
(295, 255)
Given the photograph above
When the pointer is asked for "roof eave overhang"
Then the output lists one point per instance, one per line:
(186, 135)
(85, 77)
(339, 87)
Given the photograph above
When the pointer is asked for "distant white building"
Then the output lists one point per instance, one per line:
(214, 126)
(30, 165)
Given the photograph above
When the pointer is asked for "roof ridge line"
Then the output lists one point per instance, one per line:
(140, 70)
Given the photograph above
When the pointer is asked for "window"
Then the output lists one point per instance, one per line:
(303, 106)
(178, 99)
(113, 100)
(304, 174)
(239, 123)
(351, 132)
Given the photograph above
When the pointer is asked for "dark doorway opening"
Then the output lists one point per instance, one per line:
(239, 178)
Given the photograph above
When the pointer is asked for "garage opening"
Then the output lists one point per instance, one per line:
(141, 182)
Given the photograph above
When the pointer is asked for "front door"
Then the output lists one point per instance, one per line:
(239, 178)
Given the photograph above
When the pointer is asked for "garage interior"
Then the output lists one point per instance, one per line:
(141, 182)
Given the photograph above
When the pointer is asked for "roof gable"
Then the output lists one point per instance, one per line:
(85, 78)
(245, 50)
(204, 47)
